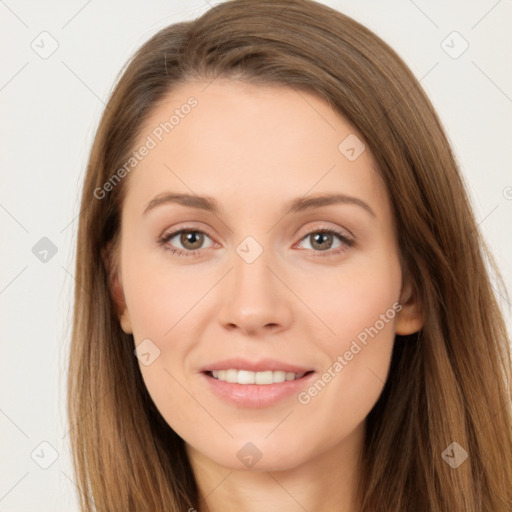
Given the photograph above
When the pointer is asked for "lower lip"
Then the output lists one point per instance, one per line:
(255, 396)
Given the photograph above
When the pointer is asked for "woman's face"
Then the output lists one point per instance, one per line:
(273, 283)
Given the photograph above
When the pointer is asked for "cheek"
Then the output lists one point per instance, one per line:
(360, 306)
(353, 299)
(350, 384)
(365, 304)
(157, 294)
(162, 301)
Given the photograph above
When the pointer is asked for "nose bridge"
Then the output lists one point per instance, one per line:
(253, 298)
(252, 277)
(254, 285)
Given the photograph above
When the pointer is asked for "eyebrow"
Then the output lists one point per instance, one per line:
(297, 205)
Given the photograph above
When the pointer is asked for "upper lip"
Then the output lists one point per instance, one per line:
(260, 365)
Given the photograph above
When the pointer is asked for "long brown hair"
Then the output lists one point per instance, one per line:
(448, 383)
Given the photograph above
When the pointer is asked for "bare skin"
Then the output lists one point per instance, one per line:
(302, 300)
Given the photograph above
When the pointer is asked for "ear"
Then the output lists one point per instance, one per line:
(410, 318)
(109, 257)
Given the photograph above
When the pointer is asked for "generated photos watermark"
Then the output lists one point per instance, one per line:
(305, 397)
(157, 135)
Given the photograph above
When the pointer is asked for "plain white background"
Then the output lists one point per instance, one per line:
(50, 110)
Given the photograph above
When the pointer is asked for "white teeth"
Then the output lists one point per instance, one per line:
(247, 377)
(263, 377)
(231, 375)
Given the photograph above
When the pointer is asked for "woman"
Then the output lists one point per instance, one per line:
(281, 297)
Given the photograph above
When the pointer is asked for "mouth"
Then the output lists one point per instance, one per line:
(267, 377)
(255, 383)
(256, 389)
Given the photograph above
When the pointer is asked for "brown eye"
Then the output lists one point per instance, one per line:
(321, 240)
(324, 240)
(184, 241)
(191, 240)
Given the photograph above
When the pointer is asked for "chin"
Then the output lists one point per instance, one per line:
(258, 454)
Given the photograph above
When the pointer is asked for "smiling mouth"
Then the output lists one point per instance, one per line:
(248, 377)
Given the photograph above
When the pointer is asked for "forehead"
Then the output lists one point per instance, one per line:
(235, 140)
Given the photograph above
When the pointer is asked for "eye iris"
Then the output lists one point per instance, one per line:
(191, 237)
(319, 238)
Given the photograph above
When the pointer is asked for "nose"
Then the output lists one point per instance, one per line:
(255, 298)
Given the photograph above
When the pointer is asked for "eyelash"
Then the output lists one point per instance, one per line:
(347, 242)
